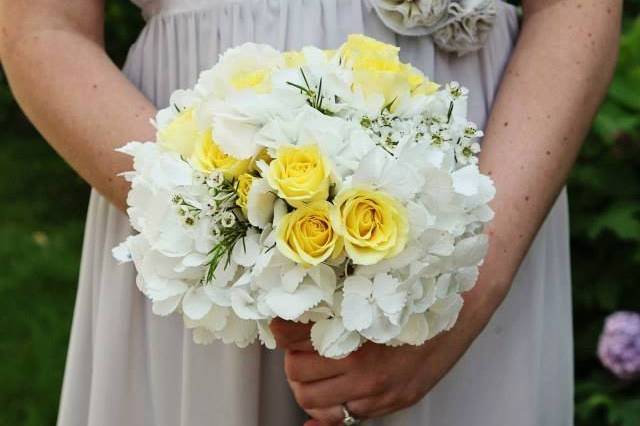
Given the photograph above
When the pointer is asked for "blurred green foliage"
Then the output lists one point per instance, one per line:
(604, 191)
(44, 205)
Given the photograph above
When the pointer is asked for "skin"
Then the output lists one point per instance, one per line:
(53, 54)
(564, 57)
(54, 58)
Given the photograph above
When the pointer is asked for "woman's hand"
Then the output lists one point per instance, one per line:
(373, 381)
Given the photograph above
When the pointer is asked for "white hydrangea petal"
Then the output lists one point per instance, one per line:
(388, 294)
(260, 203)
(357, 312)
(438, 191)
(290, 306)
(325, 277)
(279, 211)
(244, 305)
(245, 251)
(443, 286)
(157, 288)
(380, 170)
(316, 314)
(438, 242)
(219, 295)
(196, 304)
(122, 253)
(216, 319)
(194, 259)
(202, 336)
(419, 218)
(415, 331)
(239, 331)
(292, 277)
(224, 273)
(357, 284)
(381, 330)
(470, 251)
(466, 180)
(265, 335)
(466, 278)
(331, 340)
(166, 306)
(231, 127)
(443, 314)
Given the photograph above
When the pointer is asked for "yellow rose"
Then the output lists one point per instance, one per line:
(293, 59)
(207, 157)
(300, 174)
(244, 185)
(296, 59)
(377, 69)
(374, 225)
(262, 155)
(181, 135)
(306, 235)
(419, 84)
(258, 80)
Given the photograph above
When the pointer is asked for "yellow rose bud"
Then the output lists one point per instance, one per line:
(306, 235)
(374, 225)
(181, 135)
(300, 174)
(244, 185)
(208, 156)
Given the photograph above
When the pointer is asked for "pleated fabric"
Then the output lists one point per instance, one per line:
(126, 366)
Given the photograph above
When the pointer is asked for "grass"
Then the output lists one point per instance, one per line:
(42, 212)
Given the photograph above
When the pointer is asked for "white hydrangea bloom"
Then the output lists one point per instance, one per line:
(203, 253)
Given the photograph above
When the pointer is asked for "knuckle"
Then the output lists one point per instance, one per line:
(409, 397)
(356, 357)
(380, 380)
(291, 367)
(305, 400)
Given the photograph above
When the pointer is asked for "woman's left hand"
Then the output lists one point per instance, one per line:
(373, 381)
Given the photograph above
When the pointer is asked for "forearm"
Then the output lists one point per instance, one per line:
(550, 92)
(80, 102)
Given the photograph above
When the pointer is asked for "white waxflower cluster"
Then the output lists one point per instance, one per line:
(337, 187)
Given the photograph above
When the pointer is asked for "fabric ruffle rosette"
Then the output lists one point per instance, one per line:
(458, 26)
(334, 187)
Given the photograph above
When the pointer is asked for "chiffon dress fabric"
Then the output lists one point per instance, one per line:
(127, 366)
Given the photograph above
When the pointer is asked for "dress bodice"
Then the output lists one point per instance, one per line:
(459, 26)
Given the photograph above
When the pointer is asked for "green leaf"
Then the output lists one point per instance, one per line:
(626, 413)
(621, 219)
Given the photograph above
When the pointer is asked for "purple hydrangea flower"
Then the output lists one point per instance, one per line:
(619, 345)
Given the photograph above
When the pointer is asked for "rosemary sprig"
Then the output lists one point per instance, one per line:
(222, 250)
(314, 95)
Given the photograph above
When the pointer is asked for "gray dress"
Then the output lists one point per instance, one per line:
(126, 366)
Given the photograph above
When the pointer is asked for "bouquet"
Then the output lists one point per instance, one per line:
(338, 187)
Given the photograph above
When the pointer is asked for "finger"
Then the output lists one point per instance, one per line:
(310, 366)
(301, 346)
(373, 407)
(332, 392)
(288, 332)
(362, 409)
(331, 416)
